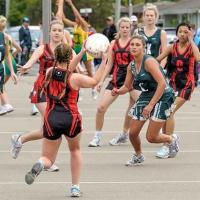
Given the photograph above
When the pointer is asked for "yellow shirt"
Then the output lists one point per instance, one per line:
(79, 35)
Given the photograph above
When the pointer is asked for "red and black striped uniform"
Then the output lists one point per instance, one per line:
(61, 115)
(46, 61)
(182, 77)
(122, 58)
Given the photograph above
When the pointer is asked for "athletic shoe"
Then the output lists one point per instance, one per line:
(94, 94)
(3, 110)
(121, 138)
(16, 145)
(135, 160)
(75, 191)
(53, 168)
(34, 110)
(35, 171)
(163, 152)
(95, 142)
(174, 146)
(8, 107)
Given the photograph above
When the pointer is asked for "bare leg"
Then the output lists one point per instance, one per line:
(49, 151)
(76, 158)
(153, 134)
(135, 128)
(133, 98)
(105, 102)
(36, 134)
(169, 126)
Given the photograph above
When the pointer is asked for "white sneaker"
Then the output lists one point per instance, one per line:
(34, 110)
(8, 107)
(174, 146)
(121, 138)
(75, 191)
(95, 142)
(16, 146)
(163, 152)
(94, 94)
(3, 110)
(53, 168)
(135, 160)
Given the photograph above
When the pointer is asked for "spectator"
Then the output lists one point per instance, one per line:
(134, 25)
(25, 40)
(110, 31)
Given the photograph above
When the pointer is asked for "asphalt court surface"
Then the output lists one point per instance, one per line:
(104, 175)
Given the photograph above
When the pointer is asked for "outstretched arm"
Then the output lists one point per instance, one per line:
(34, 58)
(83, 23)
(108, 66)
(195, 49)
(83, 81)
(59, 13)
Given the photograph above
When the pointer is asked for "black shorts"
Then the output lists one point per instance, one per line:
(59, 121)
(117, 80)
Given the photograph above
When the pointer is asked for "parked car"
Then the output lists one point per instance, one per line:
(35, 34)
(171, 34)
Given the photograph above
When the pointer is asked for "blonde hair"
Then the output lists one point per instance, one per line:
(150, 6)
(56, 21)
(122, 19)
(3, 22)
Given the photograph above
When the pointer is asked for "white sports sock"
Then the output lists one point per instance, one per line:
(98, 134)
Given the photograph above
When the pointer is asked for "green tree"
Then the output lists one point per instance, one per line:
(29, 8)
(2, 7)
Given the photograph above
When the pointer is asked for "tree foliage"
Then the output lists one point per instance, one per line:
(33, 9)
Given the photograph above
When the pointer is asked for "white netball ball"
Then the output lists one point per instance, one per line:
(96, 44)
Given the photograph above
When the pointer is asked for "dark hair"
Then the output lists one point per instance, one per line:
(63, 53)
(182, 24)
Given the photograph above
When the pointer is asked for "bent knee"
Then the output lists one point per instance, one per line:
(151, 139)
(101, 109)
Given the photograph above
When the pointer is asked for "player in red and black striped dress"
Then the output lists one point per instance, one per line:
(119, 58)
(62, 116)
(180, 70)
(45, 54)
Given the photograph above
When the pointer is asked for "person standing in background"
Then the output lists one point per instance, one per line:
(134, 25)
(25, 40)
(110, 30)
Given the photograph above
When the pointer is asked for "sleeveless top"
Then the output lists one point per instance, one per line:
(60, 92)
(143, 80)
(46, 60)
(152, 43)
(122, 55)
(183, 63)
(2, 48)
(79, 35)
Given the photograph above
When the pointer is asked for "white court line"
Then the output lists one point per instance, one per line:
(92, 132)
(105, 152)
(89, 118)
(102, 182)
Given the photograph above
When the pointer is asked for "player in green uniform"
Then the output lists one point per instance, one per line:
(155, 102)
(4, 53)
